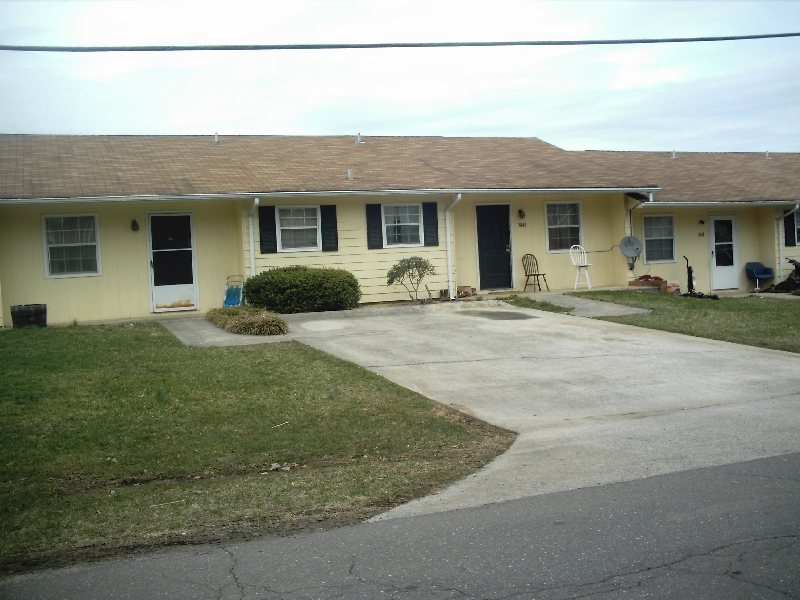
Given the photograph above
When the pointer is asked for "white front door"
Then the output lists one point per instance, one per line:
(173, 281)
(724, 265)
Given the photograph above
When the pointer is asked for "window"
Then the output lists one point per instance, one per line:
(397, 225)
(71, 245)
(659, 239)
(402, 225)
(563, 225)
(796, 229)
(298, 228)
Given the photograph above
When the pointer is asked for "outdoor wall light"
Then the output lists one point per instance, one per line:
(521, 213)
(701, 222)
(134, 225)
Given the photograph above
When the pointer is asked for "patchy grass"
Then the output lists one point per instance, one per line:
(114, 438)
(525, 302)
(755, 320)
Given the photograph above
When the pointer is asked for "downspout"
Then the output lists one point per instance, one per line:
(781, 242)
(448, 226)
(252, 237)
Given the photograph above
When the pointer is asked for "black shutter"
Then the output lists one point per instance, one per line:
(330, 235)
(790, 229)
(430, 223)
(374, 227)
(266, 229)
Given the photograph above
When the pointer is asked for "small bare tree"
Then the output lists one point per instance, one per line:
(409, 272)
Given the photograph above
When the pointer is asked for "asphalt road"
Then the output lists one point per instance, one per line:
(720, 532)
(648, 465)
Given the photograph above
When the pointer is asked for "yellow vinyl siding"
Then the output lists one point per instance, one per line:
(754, 227)
(368, 265)
(602, 225)
(122, 290)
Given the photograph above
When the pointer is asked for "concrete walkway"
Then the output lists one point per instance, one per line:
(584, 307)
(593, 402)
(196, 331)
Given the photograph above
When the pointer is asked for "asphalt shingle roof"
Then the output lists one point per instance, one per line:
(55, 166)
(712, 176)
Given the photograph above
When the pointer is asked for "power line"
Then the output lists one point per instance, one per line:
(384, 45)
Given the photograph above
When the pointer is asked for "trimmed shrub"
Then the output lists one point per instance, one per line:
(303, 289)
(247, 320)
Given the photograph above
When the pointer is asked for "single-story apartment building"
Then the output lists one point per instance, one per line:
(117, 227)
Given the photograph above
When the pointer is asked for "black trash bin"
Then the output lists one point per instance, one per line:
(25, 315)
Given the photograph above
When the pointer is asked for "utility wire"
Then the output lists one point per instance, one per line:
(382, 45)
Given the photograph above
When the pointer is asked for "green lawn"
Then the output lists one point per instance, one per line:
(119, 437)
(755, 320)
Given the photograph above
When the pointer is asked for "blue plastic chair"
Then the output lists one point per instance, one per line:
(757, 272)
(233, 291)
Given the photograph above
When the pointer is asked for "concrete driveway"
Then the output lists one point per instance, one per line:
(593, 402)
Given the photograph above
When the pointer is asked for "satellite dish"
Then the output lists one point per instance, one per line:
(631, 246)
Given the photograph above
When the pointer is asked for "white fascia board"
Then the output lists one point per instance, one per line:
(323, 193)
(463, 191)
(711, 204)
(145, 198)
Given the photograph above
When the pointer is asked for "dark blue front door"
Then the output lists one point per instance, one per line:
(494, 246)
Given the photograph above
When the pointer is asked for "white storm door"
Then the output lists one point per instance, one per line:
(724, 267)
(173, 281)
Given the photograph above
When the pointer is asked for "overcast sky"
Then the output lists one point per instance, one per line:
(723, 96)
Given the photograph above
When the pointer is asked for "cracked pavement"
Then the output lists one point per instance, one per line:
(647, 465)
(720, 532)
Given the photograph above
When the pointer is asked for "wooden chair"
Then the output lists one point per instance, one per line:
(531, 266)
(578, 256)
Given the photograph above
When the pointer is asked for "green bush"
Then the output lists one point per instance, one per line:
(247, 320)
(303, 289)
(409, 272)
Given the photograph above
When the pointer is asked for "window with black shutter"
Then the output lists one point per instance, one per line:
(298, 228)
(402, 225)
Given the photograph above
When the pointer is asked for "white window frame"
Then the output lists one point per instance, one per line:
(645, 238)
(547, 226)
(47, 246)
(386, 243)
(796, 230)
(279, 229)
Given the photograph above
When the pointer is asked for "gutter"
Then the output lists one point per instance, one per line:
(448, 226)
(252, 237)
(708, 204)
(300, 194)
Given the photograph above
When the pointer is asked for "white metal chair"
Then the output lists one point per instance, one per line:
(578, 257)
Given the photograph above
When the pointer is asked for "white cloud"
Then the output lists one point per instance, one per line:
(689, 96)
